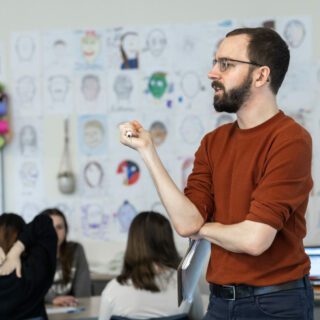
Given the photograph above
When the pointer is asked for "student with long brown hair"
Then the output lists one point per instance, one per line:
(72, 277)
(147, 285)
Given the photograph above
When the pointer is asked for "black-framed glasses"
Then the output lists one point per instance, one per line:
(225, 63)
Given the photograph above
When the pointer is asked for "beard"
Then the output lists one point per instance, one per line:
(232, 101)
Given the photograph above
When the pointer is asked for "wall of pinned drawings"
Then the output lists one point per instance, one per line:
(97, 78)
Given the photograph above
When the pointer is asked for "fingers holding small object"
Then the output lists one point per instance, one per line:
(130, 129)
(136, 124)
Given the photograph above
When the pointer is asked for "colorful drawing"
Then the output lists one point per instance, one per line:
(158, 84)
(90, 46)
(125, 215)
(130, 171)
(5, 132)
(94, 221)
(129, 49)
(158, 132)
(93, 133)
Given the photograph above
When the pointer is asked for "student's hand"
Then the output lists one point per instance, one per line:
(2, 256)
(12, 261)
(65, 301)
(9, 265)
(133, 135)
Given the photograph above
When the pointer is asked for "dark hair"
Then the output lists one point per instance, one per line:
(122, 50)
(11, 225)
(150, 245)
(66, 251)
(267, 48)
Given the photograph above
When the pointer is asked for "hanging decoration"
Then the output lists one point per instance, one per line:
(66, 178)
(4, 118)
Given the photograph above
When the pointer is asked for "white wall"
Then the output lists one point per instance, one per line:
(19, 15)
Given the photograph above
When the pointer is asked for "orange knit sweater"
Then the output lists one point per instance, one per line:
(261, 174)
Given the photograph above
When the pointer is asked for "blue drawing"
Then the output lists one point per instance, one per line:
(125, 215)
(94, 221)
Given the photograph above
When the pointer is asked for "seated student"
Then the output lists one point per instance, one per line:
(24, 298)
(72, 277)
(147, 285)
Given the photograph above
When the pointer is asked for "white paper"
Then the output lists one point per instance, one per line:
(57, 310)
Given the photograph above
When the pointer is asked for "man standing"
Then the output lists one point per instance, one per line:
(249, 188)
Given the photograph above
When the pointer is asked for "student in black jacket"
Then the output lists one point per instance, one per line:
(34, 245)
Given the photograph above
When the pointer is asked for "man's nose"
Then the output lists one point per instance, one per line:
(214, 73)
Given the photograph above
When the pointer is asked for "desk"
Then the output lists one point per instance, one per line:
(99, 281)
(91, 311)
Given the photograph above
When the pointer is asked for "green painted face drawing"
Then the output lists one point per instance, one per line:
(157, 84)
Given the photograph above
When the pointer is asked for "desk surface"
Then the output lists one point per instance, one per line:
(91, 310)
(102, 276)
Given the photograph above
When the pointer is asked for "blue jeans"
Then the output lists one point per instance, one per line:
(294, 304)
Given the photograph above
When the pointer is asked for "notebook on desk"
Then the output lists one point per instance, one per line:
(314, 255)
(54, 310)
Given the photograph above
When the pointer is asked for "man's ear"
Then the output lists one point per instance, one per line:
(262, 76)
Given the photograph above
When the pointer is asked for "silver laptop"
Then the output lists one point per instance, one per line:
(314, 255)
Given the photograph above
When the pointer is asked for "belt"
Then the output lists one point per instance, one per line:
(233, 292)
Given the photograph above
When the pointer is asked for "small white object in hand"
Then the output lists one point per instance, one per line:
(129, 134)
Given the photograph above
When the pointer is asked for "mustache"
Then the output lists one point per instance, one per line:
(217, 85)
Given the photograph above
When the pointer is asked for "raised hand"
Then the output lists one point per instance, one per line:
(12, 261)
(133, 135)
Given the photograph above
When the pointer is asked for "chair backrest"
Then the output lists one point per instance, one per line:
(174, 317)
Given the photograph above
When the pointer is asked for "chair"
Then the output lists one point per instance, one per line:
(174, 317)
